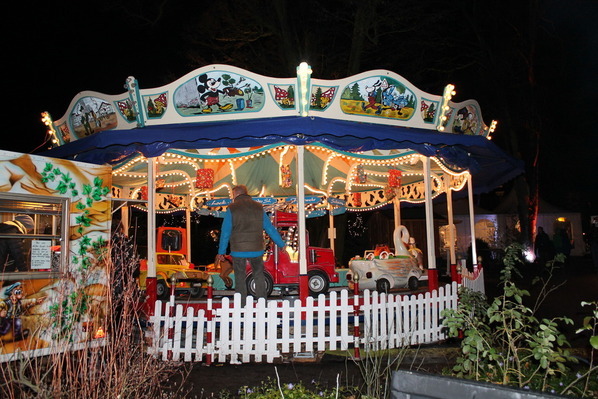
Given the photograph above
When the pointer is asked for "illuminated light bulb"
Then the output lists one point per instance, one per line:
(99, 333)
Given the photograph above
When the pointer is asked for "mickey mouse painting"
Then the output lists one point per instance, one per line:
(209, 93)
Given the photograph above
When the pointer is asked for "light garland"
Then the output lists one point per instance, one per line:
(47, 120)
(491, 129)
(232, 172)
(315, 190)
(405, 161)
(326, 165)
(449, 92)
(213, 190)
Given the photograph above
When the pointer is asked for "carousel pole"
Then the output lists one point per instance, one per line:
(124, 216)
(150, 282)
(432, 271)
(304, 95)
(474, 252)
(331, 229)
(451, 234)
(396, 204)
(303, 278)
(188, 230)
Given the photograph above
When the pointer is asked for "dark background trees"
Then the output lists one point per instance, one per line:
(530, 63)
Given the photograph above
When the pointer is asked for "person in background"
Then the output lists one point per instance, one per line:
(13, 252)
(543, 247)
(562, 242)
(243, 227)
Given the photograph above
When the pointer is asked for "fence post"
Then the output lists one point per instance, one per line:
(356, 333)
(454, 272)
(477, 267)
(209, 317)
(171, 317)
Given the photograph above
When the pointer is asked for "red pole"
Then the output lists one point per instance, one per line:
(303, 288)
(432, 279)
(356, 332)
(171, 317)
(454, 273)
(303, 292)
(209, 317)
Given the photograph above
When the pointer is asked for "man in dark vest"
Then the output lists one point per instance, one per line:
(243, 226)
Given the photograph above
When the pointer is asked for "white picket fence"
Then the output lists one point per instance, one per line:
(474, 281)
(267, 330)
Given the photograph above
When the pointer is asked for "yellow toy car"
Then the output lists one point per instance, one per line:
(188, 279)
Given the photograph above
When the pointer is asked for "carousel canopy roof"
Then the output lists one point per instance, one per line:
(244, 128)
(490, 165)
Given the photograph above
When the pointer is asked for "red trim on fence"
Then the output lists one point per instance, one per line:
(356, 311)
(455, 275)
(432, 279)
(209, 317)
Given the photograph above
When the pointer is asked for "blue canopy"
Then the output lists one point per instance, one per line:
(489, 165)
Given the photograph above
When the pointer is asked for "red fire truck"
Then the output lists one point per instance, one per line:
(281, 265)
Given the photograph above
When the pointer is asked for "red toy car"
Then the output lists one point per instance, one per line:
(281, 266)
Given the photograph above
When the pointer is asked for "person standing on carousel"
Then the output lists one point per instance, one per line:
(243, 227)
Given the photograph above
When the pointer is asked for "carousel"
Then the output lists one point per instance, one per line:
(316, 148)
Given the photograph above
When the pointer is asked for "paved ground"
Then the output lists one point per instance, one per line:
(577, 281)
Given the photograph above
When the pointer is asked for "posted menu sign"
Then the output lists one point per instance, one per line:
(41, 254)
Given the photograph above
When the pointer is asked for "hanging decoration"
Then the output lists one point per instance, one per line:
(286, 178)
(390, 192)
(174, 200)
(160, 183)
(394, 178)
(204, 179)
(356, 197)
(360, 176)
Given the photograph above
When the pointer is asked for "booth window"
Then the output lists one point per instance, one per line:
(44, 246)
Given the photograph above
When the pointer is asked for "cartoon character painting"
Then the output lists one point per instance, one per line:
(284, 98)
(428, 110)
(218, 92)
(321, 97)
(91, 115)
(372, 94)
(11, 310)
(379, 96)
(157, 106)
(392, 99)
(466, 121)
(209, 93)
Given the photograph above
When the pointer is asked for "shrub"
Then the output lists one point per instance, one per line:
(121, 368)
(503, 342)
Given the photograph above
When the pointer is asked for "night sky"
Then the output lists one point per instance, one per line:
(54, 51)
